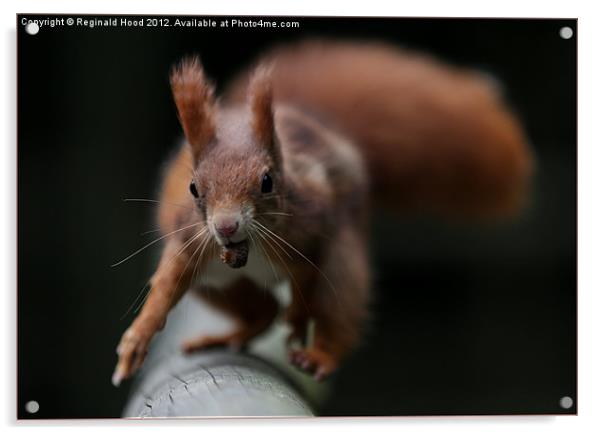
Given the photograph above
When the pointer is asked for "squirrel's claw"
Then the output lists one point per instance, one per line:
(132, 350)
(313, 361)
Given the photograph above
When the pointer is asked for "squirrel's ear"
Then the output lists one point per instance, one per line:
(194, 98)
(260, 100)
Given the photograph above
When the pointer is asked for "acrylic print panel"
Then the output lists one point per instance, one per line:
(467, 315)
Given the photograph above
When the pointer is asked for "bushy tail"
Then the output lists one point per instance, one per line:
(435, 137)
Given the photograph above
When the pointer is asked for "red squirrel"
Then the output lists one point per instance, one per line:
(275, 181)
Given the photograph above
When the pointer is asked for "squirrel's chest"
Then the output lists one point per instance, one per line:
(263, 273)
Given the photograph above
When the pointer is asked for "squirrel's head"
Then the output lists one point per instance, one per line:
(237, 174)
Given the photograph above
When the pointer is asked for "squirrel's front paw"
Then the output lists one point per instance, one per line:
(314, 361)
(131, 351)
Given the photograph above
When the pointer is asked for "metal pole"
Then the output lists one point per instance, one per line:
(215, 382)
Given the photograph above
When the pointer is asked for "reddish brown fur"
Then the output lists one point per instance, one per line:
(173, 189)
(240, 302)
(435, 137)
(260, 100)
(431, 136)
(194, 99)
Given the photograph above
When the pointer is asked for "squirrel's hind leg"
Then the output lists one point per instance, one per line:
(252, 309)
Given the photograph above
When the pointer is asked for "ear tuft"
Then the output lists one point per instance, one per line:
(194, 96)
(260, 96)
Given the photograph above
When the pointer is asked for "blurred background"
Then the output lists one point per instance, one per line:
(468, 319)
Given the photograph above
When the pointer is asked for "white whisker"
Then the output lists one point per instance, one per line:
(302, 255)
(150, 231)
(143, 300)
(202, 245)
(294, 284)
(255, 243)
(155, 201)
(267, 257)
(135, 300)
(274, 240)
(274, 213)
(153, 242)
(188, 242)
(206, 240)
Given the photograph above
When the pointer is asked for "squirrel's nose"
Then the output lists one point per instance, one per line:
(227, 227)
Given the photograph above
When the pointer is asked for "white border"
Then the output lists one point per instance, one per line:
(590, 216)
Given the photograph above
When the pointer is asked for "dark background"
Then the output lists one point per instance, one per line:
(468, 319)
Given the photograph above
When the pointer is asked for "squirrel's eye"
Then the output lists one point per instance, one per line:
(193, 190)
(266, 184)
